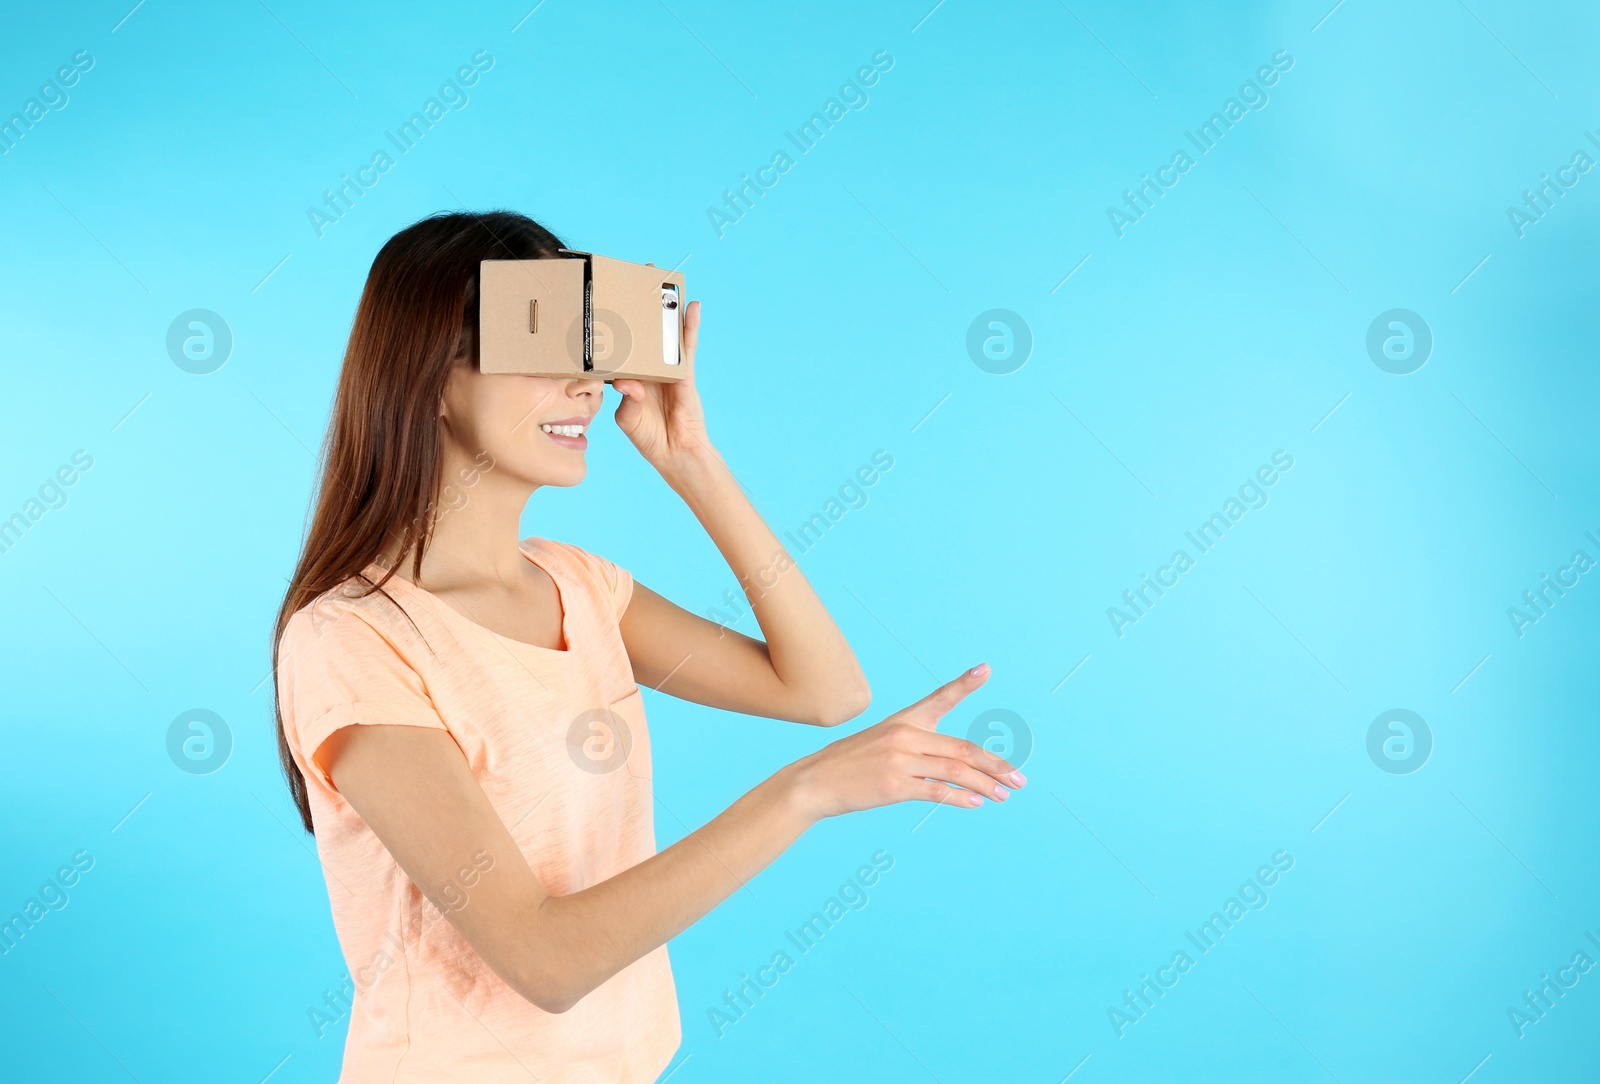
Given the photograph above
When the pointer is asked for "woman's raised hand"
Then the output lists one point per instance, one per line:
(664, 419)
(904, 758)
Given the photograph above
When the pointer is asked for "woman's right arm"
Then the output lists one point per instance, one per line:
(415, 791)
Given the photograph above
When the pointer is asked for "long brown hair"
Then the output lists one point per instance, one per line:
(382, 458)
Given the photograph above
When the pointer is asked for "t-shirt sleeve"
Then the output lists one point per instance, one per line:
(614, 582)
(336, 670)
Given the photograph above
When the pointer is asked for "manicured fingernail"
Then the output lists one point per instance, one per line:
(1001, 794)
(979, 670)
(974, 799)
(1018, 778)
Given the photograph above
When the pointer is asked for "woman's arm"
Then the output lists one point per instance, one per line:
(413, 787)
(805, 671)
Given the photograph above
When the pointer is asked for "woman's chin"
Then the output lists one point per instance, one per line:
(565, 475)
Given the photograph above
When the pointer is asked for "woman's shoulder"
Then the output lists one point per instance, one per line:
(565, 552)
(359, 606)
(605, 578)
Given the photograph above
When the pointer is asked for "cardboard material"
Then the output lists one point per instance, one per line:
(580, 315)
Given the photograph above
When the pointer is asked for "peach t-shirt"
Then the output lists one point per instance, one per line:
(570, 782)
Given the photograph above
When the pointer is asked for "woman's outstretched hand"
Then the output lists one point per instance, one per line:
(904, 758)
(665, 420)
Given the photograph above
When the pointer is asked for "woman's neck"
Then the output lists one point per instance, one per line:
(475, 536)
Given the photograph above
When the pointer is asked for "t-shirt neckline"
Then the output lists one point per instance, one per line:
(451, 613)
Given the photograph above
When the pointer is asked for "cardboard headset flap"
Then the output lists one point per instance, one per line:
(580, 315)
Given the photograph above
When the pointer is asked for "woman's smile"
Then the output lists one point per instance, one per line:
(567, 432)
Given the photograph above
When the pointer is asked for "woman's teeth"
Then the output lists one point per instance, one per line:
(564, 430)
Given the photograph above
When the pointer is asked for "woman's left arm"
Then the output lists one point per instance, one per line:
(805, 671)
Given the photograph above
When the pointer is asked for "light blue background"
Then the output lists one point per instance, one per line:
(1225, 325)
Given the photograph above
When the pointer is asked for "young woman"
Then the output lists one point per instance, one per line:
(459, 713)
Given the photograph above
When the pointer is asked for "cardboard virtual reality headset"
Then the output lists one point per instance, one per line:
(580, 315)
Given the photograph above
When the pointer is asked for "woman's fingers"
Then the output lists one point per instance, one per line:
(927, 712)
(997, 768)
(632, 392)
(934, 790)
(959, 772)
(638, 413)
(691, 335)
(904, 759)
(637, 392)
